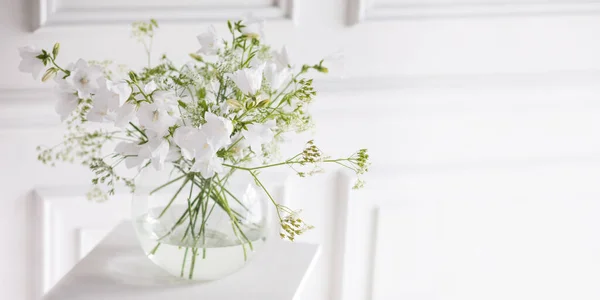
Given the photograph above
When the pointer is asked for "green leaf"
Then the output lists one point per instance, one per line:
(201, 94)
(153, 22)
(182, 104)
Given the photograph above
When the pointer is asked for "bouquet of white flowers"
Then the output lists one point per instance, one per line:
(224, 112)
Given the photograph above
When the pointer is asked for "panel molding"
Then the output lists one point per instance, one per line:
(52, 13)
(64, 225)
(344, 184)
(364, 10)
(355, 248)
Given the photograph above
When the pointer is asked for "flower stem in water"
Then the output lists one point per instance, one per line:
(184, 259)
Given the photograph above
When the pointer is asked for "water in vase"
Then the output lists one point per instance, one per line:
(218, 251)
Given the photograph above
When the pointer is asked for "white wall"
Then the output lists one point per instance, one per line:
(481, 117)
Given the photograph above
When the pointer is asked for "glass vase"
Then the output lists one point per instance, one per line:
(197, 228)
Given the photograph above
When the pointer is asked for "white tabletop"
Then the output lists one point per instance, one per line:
(117, 269)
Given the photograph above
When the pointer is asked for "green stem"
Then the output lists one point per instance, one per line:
(55, 65)
(261, 167)
(275, 100)
(153, 251)
(143, 94)
(189, 200)
(184, 259)
(173, 199)
(194, 254)
(166, 184)
(244, 235)
(243, 53)
(267, 192)
(139, 130)
(207, 216)
(287, 162)
(205, 219)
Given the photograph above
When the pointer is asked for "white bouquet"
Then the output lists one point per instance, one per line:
(225, 111)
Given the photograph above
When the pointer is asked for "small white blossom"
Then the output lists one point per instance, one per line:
(174, 153)
(102, 111)
(150, 87)
(277, 77)
(125, 114)
(282, 58)
(334, 62)
(210, 42)
(186, 137)
(196, 144)
(131, 151)
(121, 89)
(108, 100)
(254, 27)
(248, 80)
(66, 104)
(208, 167)
(85, 78)
(166, 101)
(203, 143)
(239, 146)
(218, 130)
(154, 118)
(64, 82)
(259, 134)
(29, 62)
(156, 150)
(147, 90)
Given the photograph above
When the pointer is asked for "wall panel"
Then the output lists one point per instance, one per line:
(378, 10)
(77, 13)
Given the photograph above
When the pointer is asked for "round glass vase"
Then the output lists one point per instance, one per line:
(197, 228)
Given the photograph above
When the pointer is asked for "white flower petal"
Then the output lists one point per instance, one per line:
(66, 104)
(210, 42)
(259, 134)
(150, 87)
(125, 114)
(254, 27)
(85, 78)
(248, 80)
(29, 62)
(208, 167)
(277, 77)
(282, 58)
(154, 118)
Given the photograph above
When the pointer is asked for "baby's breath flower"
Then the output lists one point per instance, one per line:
(291, 223)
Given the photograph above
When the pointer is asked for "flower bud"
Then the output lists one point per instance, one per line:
(252, 36)
(263, 103)
(196, 57)
(50, 73)
(55, 50)
(234, 103)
